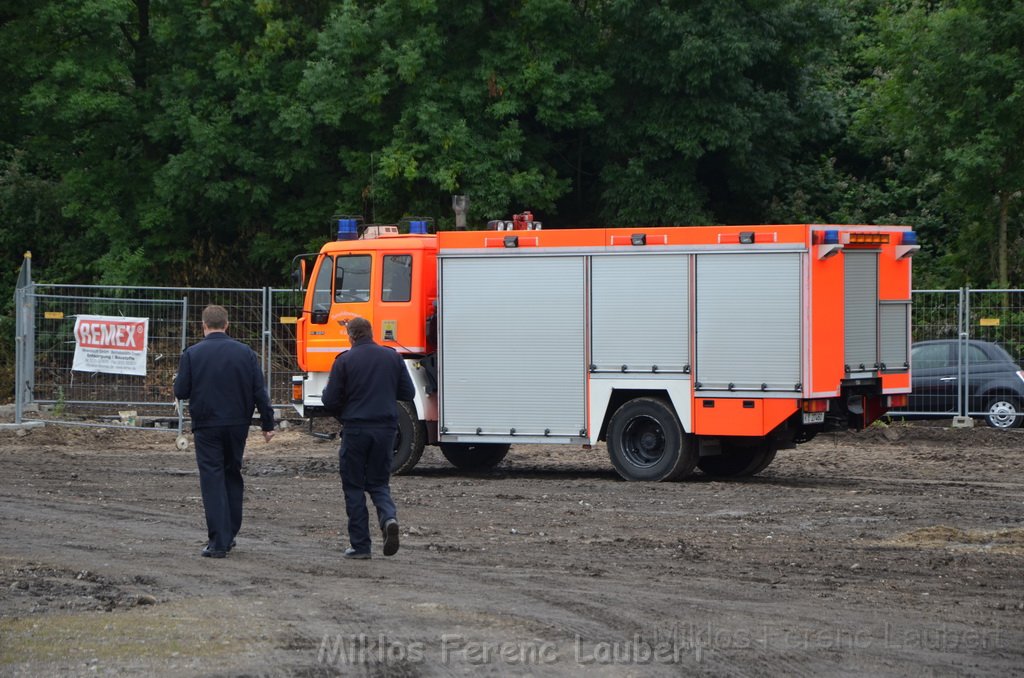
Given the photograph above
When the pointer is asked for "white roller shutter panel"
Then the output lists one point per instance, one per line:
(640, 313)
(748, 322)
(860, 297)
(513, 346)
(894, 325)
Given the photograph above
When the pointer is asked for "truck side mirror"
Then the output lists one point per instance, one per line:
(320, 316)
(300, 275)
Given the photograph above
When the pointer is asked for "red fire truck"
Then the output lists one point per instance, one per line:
(683, 348)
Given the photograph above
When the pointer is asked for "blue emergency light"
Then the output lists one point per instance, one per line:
(347, 229)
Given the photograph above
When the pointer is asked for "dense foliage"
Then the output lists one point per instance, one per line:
(206, 142)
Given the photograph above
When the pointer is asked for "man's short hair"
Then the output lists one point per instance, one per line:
(359, 328)
(215, 317)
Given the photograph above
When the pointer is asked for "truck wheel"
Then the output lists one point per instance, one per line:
(412, 436)
(739, 459)
(647, 442)
(474, 456)
(1003, 412)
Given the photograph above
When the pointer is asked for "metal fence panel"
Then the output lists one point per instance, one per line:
(935, 314)
(79, 393)
(995, 316)
(262, 318)
(281, 365)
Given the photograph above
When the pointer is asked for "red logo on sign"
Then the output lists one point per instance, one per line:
(126, 336)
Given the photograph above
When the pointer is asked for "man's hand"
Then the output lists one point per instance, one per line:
(267, 435)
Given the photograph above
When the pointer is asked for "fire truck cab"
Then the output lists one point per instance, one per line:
(683, 348)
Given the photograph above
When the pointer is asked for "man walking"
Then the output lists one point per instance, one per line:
(363, 389)
(222, 380)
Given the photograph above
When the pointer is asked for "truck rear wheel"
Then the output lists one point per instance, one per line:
(474, 456)
(646, 441)
(739, 459)
(411, 438)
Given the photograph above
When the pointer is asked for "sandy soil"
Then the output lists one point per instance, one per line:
(898, 551)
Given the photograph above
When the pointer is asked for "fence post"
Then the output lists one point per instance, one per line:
(965, 336)
(24, 339)
(179, 408)
(265, 349)
(19, 351)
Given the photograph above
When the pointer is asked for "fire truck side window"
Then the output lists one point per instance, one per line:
(397, 278)
(352, 278)
(322, 286)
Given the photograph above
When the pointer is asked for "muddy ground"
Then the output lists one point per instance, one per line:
(897, 551)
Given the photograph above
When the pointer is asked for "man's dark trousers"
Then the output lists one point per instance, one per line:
(364, 461)
(219, 452)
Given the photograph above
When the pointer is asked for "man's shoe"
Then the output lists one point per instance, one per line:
(390, 531)
(352, 554)
(231, 545)
(211, 553)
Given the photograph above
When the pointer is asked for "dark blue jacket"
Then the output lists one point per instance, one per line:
(222, 380)
(365, 385)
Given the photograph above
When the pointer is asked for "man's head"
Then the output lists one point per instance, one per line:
(359, 328)
(215, 318)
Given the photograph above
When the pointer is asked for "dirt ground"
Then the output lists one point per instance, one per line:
(897, 551)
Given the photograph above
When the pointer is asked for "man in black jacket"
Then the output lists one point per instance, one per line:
(223, 382)
(363, 389)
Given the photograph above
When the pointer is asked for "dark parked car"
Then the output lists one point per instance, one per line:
(995, 383)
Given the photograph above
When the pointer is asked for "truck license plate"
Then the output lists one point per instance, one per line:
(814, 417)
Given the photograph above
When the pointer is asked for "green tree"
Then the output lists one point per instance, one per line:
(712, 103)
(240, 184)
(947, 98)
(430, 98)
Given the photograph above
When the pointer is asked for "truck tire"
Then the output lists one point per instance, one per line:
(739, 460)
(474, 456)
(646, 441)
(411, 438)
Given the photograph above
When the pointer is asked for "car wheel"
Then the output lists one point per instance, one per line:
(1003, 412)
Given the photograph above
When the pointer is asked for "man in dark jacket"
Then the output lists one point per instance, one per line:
(363, 390)
(223, 382)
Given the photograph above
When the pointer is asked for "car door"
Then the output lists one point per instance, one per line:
(985, 371)
(935, 380)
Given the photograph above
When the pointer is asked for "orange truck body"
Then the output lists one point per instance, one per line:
(745, 333)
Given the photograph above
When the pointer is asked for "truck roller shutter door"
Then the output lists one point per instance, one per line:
(894, 324)
(513, 350)
(860, 297)
(748, 323)
(640, 313)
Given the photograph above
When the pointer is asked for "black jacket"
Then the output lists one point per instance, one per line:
(365, 385)
(222, 380)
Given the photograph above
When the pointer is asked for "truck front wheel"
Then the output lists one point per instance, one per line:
(474, 456)
(411, 438)
(739, 459)
(646, 441)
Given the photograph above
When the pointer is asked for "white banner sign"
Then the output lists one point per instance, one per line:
(110, 344)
